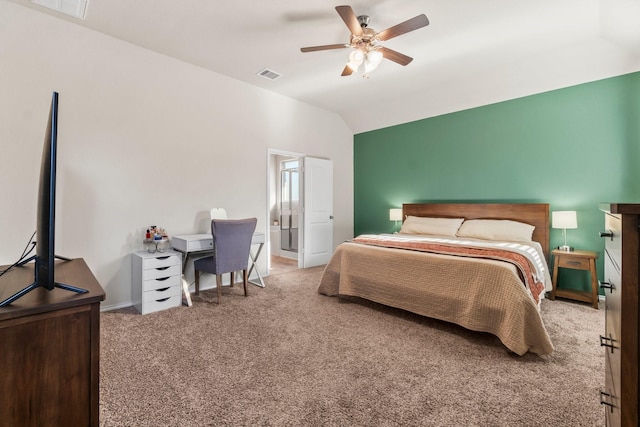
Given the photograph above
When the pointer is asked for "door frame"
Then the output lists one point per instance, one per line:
(276, 152)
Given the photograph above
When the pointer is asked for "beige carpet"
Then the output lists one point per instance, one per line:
(287, 356)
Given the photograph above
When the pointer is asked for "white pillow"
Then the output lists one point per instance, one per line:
(496, 229)
(425, 225)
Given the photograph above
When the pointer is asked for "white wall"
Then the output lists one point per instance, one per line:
(143, 139)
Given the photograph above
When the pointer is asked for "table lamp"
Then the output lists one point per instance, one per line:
(395, 215)
(564, 220)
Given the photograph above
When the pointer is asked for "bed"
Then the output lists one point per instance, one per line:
(455, 262)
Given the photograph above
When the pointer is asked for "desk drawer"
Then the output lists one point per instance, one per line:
(575, 263)
(200, 245)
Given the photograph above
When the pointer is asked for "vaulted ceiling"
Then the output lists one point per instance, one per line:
(472, 53)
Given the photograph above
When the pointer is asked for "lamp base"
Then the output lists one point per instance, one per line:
(565, 248)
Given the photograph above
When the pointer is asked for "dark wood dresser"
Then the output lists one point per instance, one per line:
(621, 283)
(50, 349)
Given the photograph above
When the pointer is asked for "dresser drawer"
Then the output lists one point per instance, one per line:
(161, 262)
(161, 304)
(162, 282)
(612, 387)
(160, 272)
(161, 294)
(613, 245)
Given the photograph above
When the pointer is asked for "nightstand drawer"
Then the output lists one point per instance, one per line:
(573, 262)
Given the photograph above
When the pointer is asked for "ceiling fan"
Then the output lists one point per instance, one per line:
(364, 41)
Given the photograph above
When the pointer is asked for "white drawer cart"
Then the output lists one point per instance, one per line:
(156, 280)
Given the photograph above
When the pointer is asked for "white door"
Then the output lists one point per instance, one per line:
(318, 211)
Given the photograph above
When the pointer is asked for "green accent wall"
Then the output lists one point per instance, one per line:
(572, 148)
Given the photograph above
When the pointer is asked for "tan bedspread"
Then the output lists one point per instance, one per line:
(478, 294)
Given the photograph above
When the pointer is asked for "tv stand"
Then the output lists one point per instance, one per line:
(35, 285)
(51, 350)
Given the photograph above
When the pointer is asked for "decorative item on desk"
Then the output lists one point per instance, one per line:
(395, 215)
(564, 220)
(156, 239)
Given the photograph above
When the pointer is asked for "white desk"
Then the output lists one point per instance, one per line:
(193, 244)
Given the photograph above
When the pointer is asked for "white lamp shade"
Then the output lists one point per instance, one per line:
(355, 59)
(564, 219)
(372, 60)
(395, 214)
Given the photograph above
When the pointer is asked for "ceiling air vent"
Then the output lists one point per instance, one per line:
(75, 8)
(269, 74)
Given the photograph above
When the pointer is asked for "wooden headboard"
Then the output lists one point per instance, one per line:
(536, 214)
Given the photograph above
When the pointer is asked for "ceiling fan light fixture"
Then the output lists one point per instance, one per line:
(372, 60)
(364, 40)
(355, 59)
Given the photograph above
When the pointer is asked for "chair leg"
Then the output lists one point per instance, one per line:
(219, 286)
(245, 279)
(197, 275)
(231, 280)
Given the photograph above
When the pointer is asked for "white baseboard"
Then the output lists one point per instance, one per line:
(115, 306)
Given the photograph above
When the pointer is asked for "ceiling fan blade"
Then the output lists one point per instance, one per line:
(394, 56)
(404, 27)
(347, 71)
(324, 47)
(349, 18)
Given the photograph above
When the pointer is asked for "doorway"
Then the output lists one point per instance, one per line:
(299, 211)
(284, 211)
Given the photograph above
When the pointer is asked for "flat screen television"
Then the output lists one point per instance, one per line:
(46, 215)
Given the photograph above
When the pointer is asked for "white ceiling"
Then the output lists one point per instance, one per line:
(474, 52)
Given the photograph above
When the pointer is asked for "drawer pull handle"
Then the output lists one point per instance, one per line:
(162, 268)
(163, 257)
(607, 285)
(574, 262)
(163, 299)
(162, 290)
(605, 399)
(607, 342)
(161, 279)
(607, 233)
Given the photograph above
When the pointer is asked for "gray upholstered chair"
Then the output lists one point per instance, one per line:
(231, 245)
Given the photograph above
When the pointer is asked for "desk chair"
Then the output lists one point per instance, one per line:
(221, 213)
(231, 245)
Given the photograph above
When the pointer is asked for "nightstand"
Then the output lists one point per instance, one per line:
(576, 260)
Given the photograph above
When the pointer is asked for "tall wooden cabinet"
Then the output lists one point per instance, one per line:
(50, 350)
(620, 338)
